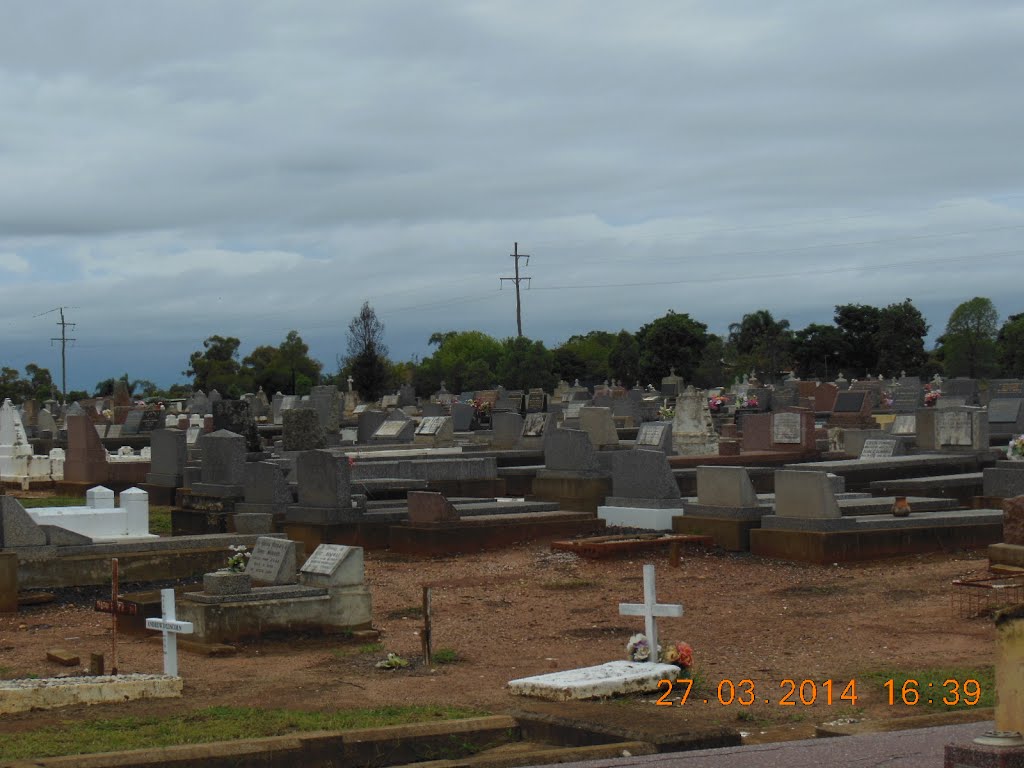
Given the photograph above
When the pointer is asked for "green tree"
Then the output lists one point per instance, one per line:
(900, 339)
(859, 325)
(285, 368)
(463, 360)
(760, 343)
(675, 341)
(367, 360)
(593, 350)
(712, 370)
(819, 351)
(1010, 347)
(40, 383)
(969, 343)
(624, 359)
(526, 364)
(217, 367)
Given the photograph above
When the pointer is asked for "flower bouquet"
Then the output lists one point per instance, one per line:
(1015, 450)
(238, 561)
(639, 649)
(716, 403)
(746, 401)
(932, 397)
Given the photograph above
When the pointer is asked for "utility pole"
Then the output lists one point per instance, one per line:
(517, 280)
(63, 339)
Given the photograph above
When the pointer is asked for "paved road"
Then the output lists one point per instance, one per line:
(919, 748)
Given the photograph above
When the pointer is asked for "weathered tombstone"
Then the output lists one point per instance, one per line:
(672, 385)
(272, 561)
(693, 433)
(599, 426)
(961, 387)
(236, 416)
(462, 416)
(151, 420)
(302, 430)
(132, 423)
(223, 464)
(334, 565)
(367, 423)
(267, 495)
(536, 401)
(395, 430)
(569, 450)
(904, 424)
(642, 474)
(324, 400)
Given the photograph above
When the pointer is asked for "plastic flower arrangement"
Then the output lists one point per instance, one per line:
(238, 561)
(716, 403)
(639, 649)
(747, 401)
(1015, 450)
(666, 414)
(886, 400)
(481, 407)
(932, 397)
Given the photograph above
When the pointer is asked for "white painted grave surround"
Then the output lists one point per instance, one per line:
(100, 519)
(18, 464)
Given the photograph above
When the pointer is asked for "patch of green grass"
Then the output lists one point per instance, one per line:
(204, 726)
(53, 501)
(411, 612)
(922, 690)
(160, 521)
(370, 648)
(446, 656)
(366, 648)
(568, 584)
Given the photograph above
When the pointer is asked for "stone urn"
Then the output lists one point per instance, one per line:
(227, 583)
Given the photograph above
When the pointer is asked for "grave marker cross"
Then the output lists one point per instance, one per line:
(171, 627)
(649, 609)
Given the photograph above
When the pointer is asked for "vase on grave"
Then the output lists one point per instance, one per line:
(901, 507)
(227, 583)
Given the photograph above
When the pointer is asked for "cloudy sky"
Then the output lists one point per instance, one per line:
(181, 169)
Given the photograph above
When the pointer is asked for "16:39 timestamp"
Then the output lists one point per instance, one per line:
(954, 692)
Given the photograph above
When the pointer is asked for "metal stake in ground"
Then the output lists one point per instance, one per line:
(113, 615)
(649, 609)
(171, 627)
(427, 628)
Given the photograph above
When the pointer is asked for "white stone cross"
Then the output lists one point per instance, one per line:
(649, 609)
(350, 381)
(171, 628)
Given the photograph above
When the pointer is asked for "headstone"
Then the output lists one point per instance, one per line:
(266, 490)
(962, 387)
(325, 489)
(534, 425)
(302, 430)
(693, 433)
(152, 419)
(272, 561)
(643, 474)
(367, 423)
(462, 416)
(223, 464)
(17, 528)
(1004, 388)
(167, 460)
(536, 401)
(727, 487)
(805, 494)
(880, 448)
(569, 450)
(430, 507)
(334, 564)
(132, 422)
(324, 400)
(904, 424)
(436, 431)
(506, 428)
(672, 385)
(236, 416)
(655, 434)
(395, 430)
(1004, 410)
(599, 426)
(849, 402)
(786, 428)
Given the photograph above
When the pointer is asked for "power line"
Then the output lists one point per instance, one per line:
(517, 280)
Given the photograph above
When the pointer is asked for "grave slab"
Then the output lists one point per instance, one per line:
(603, 680)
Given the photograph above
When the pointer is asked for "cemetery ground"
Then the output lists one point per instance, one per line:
(526, 611)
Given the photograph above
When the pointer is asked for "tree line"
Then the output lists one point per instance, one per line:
(861, 340)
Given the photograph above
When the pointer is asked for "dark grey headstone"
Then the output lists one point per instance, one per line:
(131, 423)
(656, 435)
(643, 474)
(17, 529)
(152, 419)
(324, 480)
(462, 416)
(849, 402)
(1003, 388)
(368, 422)
(324, 400)
(569, 450)
(302, 430)
(236, 416)
(223, 459)
(167, 460)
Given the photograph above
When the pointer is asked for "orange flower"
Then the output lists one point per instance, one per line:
(685, 654)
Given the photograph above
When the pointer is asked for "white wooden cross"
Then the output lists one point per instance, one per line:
(171, 628)
(649, 609)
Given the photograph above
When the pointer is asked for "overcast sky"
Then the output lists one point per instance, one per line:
(174, 170)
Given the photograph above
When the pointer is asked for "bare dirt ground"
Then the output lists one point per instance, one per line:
(527, 611)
